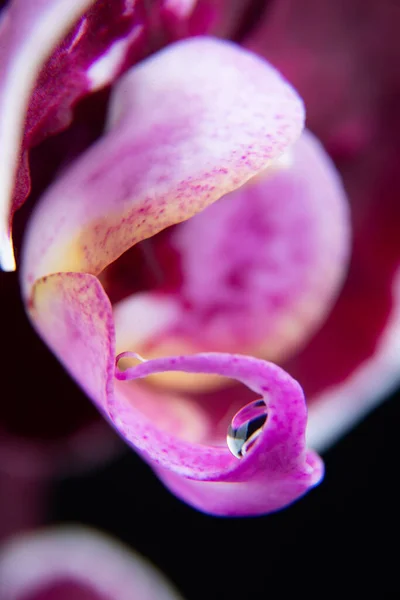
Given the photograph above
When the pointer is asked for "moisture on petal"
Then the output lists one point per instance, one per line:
(275, 469)
(72, 312)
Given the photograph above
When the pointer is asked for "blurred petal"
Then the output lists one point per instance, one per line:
(79, 563)
(24, 25)
(274, 471)
(73, 55)
(353, 362)
(334, 410)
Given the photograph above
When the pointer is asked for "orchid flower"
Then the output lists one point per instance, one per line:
(76, 562)
(205, 173)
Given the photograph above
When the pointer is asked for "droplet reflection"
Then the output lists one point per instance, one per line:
(246, 426)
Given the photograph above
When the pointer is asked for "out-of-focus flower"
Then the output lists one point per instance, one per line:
(74, 562)
(255, 273)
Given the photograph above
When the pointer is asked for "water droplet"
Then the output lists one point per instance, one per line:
(246, 426)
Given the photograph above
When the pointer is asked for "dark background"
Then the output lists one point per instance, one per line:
(342, 538)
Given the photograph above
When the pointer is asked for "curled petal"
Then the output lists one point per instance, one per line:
(275, 471)
(78, 563)
(74, 315)
(178, 139)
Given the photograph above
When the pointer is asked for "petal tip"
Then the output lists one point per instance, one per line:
(7, 258)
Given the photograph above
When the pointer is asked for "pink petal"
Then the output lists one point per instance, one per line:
(177, 140)
(274, 472)
(73, 314)
(274, 261)
(68, 563)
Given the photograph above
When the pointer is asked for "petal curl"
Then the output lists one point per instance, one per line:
(73, 314)
(79, 563)
(178, 139)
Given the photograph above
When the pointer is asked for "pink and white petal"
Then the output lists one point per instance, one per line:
(80, 563)
(276, 255)
(53, 52)
(24, 25)
(73, 314)
(178, 139)
(237, 499)
(274, 472)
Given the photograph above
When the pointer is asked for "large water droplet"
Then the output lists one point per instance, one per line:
(245, 427)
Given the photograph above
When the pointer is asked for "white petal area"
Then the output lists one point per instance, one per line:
(107, 66)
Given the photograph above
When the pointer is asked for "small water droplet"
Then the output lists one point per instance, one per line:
(245, 427)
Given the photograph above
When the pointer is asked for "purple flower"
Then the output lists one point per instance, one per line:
(204, 175)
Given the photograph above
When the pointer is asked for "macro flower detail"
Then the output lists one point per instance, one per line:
(277, 470)
(203, 170)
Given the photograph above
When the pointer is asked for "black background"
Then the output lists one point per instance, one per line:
(342, 538)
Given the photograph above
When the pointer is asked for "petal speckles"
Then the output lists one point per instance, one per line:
(277, 463)
(178, 139)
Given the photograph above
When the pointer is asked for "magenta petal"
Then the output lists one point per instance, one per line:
(73, 314)
(75, 563)
(275, 471)
(353, 362)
